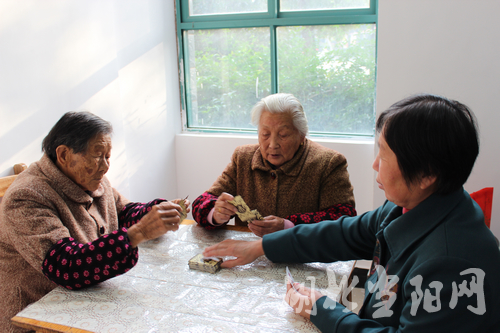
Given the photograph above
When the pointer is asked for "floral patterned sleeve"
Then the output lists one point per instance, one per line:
(134, 211)
(73, 265)
(202, 207)
(331, 213)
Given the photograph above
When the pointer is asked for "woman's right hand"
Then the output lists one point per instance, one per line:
(244, 251)
(159, 220)
(223, 210)
(302, 299)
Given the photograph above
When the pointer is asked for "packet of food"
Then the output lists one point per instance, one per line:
(244, 212)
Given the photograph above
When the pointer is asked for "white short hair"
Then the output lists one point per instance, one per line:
(281, 103)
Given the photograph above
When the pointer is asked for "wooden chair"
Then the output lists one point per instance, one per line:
(6, 181)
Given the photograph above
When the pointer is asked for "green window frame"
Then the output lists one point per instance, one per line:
(271, 19)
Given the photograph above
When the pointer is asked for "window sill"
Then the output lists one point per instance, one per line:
(251, 136)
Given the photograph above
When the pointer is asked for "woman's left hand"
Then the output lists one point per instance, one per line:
(162, 218)
(266, 226)
(302, 300)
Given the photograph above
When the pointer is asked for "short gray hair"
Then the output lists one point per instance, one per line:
(280, 103)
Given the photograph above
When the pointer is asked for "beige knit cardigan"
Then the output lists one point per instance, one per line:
(316, 178)
(41, 207)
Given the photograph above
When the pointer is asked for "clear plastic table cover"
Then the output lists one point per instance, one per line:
(161, 293)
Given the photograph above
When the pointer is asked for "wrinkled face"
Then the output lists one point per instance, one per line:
(278, 138)
(88, 168)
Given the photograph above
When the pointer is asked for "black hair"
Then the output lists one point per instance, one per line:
(432, 136)
(74, 130)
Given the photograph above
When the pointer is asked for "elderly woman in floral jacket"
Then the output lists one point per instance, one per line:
(63, 224)
(289, 179)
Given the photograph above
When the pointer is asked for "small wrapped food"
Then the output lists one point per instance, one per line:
(244, 212)
(210, 264)
(182, 203)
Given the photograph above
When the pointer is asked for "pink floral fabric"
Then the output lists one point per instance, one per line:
(73, 265)
(205, 202)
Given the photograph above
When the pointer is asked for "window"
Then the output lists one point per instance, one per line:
(233, 53)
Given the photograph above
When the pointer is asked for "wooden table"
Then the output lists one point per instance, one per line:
(161, 294)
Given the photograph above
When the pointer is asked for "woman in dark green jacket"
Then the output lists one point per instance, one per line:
(435, 263)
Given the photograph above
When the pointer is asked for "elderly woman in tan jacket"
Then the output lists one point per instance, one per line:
(289, 179)
(63, 224)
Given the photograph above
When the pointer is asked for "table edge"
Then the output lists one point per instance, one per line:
(44, 327)
(243, 228)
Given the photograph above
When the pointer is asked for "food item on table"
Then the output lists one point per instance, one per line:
(244, 212)
(205, 264)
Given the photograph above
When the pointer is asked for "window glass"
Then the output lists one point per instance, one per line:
(331, 70)
(228, 72)
(322, 51)
(211, 7)
(291, 5)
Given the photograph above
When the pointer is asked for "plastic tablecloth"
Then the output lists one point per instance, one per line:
(161, 293)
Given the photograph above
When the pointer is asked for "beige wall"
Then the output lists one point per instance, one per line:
(114, 58)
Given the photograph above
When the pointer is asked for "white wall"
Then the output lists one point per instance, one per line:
(450, 48)
(116, 59)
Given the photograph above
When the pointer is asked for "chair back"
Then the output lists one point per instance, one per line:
(6, 181)
(484, 199)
